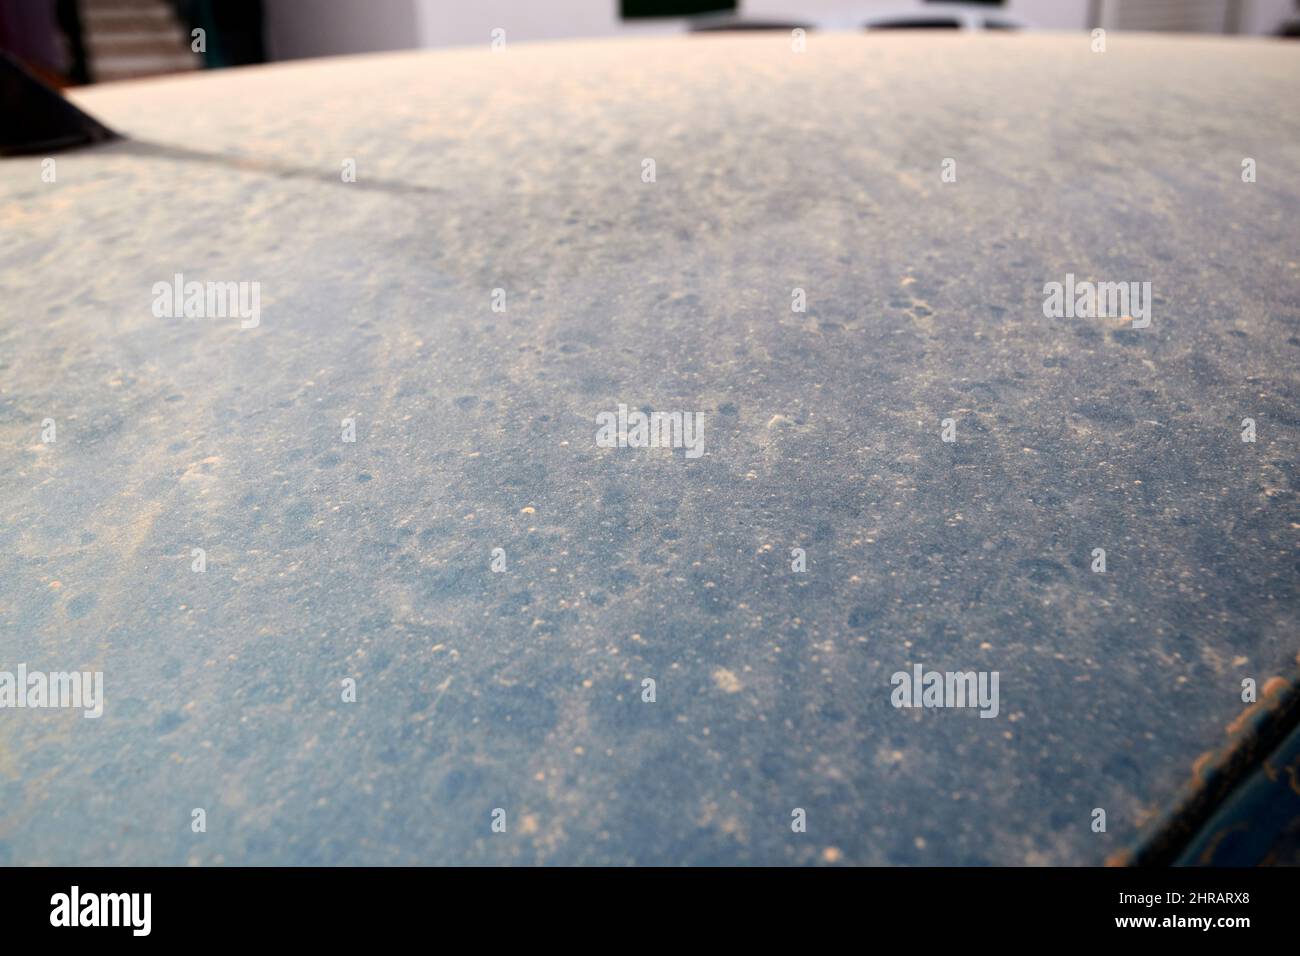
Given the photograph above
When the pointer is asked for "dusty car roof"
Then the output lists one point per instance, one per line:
(475, 429)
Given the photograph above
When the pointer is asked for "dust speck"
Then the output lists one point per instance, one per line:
(726, 681)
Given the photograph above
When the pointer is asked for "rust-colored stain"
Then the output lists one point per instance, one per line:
(1199, 766)
(1270, 696)
(1215, 773)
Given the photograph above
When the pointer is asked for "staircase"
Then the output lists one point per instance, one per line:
(126, 39)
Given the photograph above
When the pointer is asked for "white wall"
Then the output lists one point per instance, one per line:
(1257, 16)
(456, 22)
(448, 23)
(452, 23)
(300, 28)
(1045, 14)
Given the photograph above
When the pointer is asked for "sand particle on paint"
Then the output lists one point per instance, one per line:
(726, 681)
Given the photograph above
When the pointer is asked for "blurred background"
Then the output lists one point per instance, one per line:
(73, 42)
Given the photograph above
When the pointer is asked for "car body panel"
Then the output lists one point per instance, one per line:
(523, 690)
